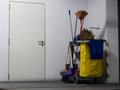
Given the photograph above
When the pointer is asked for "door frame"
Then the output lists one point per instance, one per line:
(44, 37)
(119, 35)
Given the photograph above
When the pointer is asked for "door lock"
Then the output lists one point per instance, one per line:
(41, 43)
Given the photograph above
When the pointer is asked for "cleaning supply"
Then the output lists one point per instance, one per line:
(81, 14)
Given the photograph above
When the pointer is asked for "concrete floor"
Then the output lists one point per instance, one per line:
(57, 86)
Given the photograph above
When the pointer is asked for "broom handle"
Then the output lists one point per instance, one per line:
(75, 27)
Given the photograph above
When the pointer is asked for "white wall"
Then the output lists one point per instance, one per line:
(58, 32)
(4, 22)
(112, 35)
(97, 17)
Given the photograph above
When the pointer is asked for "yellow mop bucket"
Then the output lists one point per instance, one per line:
(89, 67)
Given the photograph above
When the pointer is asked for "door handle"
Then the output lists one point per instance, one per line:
(41, 43)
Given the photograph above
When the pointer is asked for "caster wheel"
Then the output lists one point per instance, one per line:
(95, 80)
(67, 79)
(76, 79)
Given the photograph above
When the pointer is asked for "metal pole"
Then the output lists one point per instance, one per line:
(71, 25)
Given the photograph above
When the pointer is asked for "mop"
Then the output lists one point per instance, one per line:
(81, 15)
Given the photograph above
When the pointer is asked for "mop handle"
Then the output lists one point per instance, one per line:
(71, 24)
(81, 26)
(69, 12)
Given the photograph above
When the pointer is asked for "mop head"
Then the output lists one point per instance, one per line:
(81, 14)
(87, 34)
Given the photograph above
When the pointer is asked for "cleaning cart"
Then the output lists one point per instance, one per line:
(85, 56)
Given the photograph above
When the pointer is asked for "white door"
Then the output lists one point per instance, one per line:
(26, 51)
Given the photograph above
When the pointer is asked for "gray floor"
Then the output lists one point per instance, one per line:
(57, 86)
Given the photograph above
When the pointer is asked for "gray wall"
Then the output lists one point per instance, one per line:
(103, 14)
(112, 36)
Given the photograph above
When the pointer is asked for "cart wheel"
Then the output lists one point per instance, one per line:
(67, 79)
(64, 79)
(95, 80)
(76, 79)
